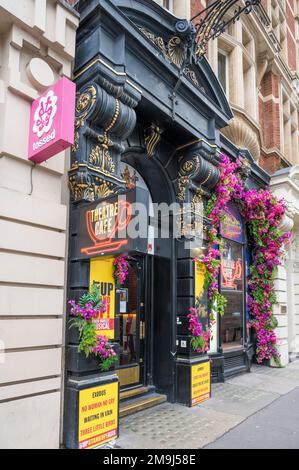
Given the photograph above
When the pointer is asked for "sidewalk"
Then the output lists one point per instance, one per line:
(169, 426)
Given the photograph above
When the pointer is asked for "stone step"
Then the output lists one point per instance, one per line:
(135, 391)
(134, 405)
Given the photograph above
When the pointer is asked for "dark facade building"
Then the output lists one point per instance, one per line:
(149, 127)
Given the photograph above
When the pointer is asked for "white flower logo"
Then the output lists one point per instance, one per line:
(45, 113)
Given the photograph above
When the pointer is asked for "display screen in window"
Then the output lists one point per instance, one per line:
(232, 269)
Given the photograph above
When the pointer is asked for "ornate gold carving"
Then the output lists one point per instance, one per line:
(174, 51)
(152, 137)
(182, 184)
(83, 190)
(190, 166)
(103, 190)
(101, 158)
(187, 169)
(208, 177)
(187, 166)
(84, 104)
(197, 199)
(157, 40)
(129, 179)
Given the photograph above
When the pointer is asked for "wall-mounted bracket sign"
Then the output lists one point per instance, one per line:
(114, 225)
(52, 121)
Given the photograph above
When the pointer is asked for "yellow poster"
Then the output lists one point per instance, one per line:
(98, 415)
(200, 271)
(101, 271)
(200, 383)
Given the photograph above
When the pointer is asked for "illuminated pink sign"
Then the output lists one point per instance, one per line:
(52, 121)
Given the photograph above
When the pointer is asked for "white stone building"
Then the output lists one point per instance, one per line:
(37, 46)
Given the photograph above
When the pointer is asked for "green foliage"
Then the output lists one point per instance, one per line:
(93, 296)
(197, 342)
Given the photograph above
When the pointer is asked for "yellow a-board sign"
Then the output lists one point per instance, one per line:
(200, 271)
(200, 382)
(98, 415)
(101, 272)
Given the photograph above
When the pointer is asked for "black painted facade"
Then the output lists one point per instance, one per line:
(134, 105)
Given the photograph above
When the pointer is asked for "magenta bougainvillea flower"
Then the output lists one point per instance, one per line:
(200, 340)
(263, 213)
(121, 269)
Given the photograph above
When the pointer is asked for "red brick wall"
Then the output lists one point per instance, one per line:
(269, 115)
(196, 7)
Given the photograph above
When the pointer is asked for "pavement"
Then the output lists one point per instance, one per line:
(259, 409)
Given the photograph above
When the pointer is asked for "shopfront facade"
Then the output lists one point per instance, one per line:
(148, 131)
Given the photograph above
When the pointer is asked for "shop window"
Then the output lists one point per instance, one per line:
(232, 280)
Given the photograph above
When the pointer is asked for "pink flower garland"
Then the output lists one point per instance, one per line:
(121, 269)
(263, 214)
(200, 339)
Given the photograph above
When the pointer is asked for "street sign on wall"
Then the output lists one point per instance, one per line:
(52, 121)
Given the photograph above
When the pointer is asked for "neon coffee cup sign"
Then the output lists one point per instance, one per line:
(52, 121)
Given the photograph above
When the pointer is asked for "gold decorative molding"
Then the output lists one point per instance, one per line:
(174, 51)
(152, 137)
(83, 190)
(101, 158)
(187, 169)
(84, 104)
(182, 184)
(129, 178)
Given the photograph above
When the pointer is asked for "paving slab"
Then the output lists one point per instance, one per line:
(268, 383)
(274, 427)
(239, 403)
(171, 426)
(238, 400)
(291, 372)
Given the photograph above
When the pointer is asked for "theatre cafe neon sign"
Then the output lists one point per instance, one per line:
(52, 121)
(104, 225)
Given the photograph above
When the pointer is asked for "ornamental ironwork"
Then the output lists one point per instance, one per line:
(208, 24)
(212, 21)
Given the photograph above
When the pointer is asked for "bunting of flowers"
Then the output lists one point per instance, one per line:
(121, 269)
(263, 214)
(200, 340)
(83, 314)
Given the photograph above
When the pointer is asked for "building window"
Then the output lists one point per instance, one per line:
(168, 4)
(289, 129)
(232, 280)
(223, 71)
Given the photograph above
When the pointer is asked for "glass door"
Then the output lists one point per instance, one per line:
(232, 287)
(131, 325)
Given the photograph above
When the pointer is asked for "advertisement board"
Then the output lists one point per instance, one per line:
(98, 415)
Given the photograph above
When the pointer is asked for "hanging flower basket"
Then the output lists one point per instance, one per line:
(121, 269)
(83, 314)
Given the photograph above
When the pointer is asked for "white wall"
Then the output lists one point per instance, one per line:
(33, 227)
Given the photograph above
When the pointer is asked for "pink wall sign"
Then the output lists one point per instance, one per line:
(52, 121)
